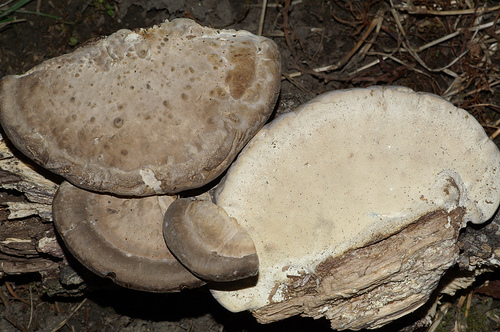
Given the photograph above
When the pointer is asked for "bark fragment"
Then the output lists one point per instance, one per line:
(373, 285)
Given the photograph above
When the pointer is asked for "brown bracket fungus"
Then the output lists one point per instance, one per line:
(151, 111)
(208, 242)
(354, 203)
(120, 238)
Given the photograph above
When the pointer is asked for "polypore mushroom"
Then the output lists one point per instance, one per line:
(208, 242)
(354, 203)
(120, 238)
(144, 112)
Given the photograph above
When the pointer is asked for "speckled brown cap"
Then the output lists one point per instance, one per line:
(154, 111)
(120, 238)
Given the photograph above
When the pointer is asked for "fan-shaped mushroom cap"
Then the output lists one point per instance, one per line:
(347, 169)
(155, 111)
(120, 238)
(208, 242)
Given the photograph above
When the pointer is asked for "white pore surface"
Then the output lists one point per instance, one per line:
(348, 166)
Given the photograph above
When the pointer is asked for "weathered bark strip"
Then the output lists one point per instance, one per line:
(37, 185)
(22, 243)
(480, 246)
(370, 286)
(27, 238)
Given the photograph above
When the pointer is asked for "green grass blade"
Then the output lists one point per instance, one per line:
(14, 8)
(40, 14)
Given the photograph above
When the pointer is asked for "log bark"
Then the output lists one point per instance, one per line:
(370, 286)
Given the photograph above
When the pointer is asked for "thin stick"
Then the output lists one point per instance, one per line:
(397, 19)
(414, 54)
(368, 31)
(425, 11)
(5, 3)
(11, 291)
(70, 315)
(4, 298)
(439, 316)
(364, 50)
(277, 5)
(454, 34)
(31, 307)
(393, 58)
(346, 58)
(490, 85)
(262, 16)
(495, 134)
(297, 84)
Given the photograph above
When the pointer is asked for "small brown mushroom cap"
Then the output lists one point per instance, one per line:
(120, 238)
(155, 111)
(208, 242)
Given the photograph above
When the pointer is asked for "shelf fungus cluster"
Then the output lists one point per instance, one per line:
(354, 203)
(347, 208)
(130, 119)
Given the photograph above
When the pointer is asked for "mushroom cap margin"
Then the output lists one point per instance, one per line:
(120, 238)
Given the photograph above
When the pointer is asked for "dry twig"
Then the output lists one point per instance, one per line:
(425, 11)
(61, 324)
(374, 23)
(13, 293)
(262, 16)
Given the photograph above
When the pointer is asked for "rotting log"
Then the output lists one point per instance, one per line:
(370, 286)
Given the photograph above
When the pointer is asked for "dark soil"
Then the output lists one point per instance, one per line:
(311, 34)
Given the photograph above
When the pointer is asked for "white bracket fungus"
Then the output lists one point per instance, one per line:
(344, 172)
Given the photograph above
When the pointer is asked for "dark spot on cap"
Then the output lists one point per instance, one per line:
(234, 117)
(118, 122)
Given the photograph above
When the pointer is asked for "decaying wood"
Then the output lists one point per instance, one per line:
(37, 185)
(480, 246)
(27, 238)
(370, 286)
